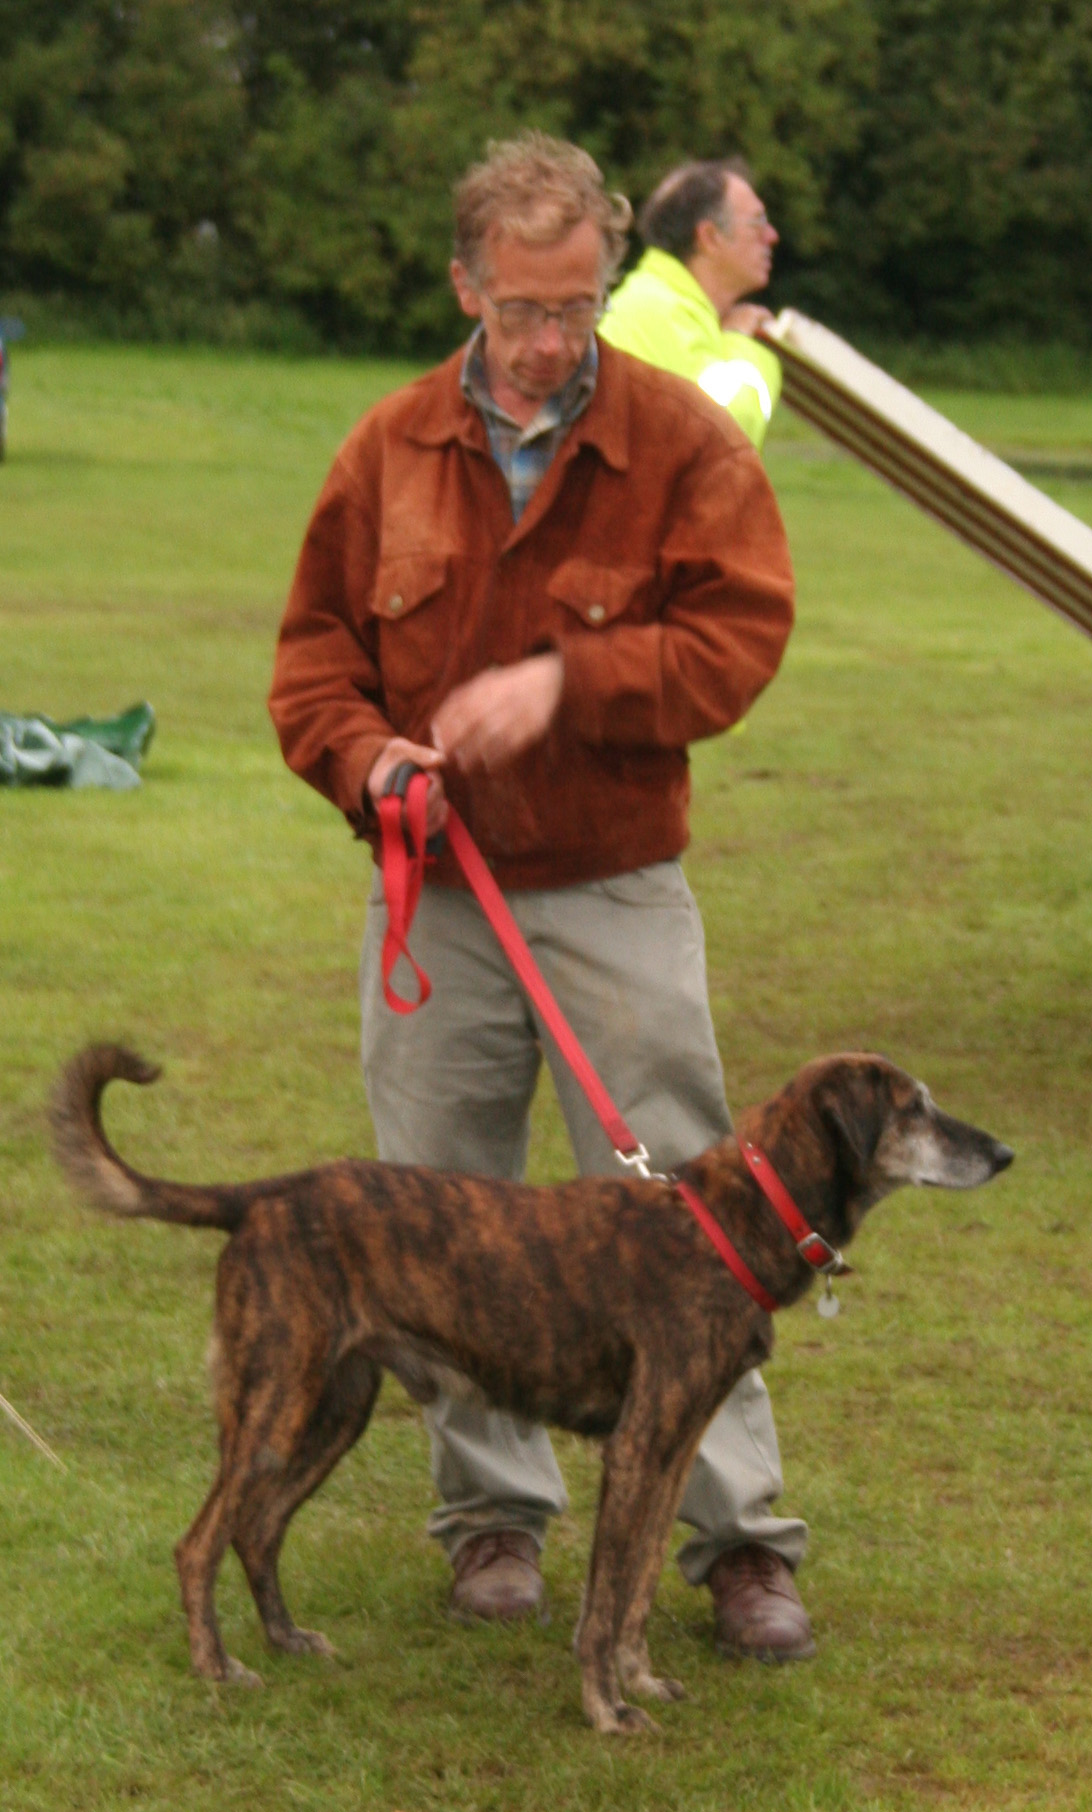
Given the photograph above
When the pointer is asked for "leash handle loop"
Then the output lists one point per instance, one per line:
(402, 815)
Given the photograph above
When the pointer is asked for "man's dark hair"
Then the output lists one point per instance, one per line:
(691, 194)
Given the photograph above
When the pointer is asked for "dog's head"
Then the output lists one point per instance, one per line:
(850, 1129)
(887, 1131)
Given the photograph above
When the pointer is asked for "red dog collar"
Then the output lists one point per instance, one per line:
(812, 1247)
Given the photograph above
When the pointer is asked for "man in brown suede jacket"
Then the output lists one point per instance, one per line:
(540, 572)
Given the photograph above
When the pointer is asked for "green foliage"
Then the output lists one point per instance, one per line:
(969, 208)
(175, 102)
(640, 85)
(310, 201)
(929, 166)
(324, 40)
(124, 132)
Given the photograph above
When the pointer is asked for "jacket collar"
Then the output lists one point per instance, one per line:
(674, 274)
(444, 414)
(560, 410)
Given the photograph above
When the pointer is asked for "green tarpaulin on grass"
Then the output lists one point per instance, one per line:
(105, 751)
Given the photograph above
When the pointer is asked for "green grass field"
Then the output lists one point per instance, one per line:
(894, 855)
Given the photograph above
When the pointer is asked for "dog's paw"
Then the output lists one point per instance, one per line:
(621, 1720)
(304, 1642)
(655, 1686)
(631, 1720)
(235, 1674)
(636, 1675)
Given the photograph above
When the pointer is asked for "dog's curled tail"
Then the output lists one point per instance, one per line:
(94, 1168)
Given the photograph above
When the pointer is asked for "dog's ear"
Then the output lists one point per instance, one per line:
(855, 1106)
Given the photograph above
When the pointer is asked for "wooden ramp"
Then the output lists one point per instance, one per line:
(931, 461)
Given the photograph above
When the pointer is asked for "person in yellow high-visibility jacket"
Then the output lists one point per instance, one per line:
(709, 244)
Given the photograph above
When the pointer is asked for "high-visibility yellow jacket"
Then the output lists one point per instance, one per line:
(661, 314)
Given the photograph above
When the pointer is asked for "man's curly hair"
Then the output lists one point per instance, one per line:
(536, 188)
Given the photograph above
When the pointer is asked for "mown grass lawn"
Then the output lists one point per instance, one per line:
(894, 855)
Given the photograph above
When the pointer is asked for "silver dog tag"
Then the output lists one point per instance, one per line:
(828, 1304)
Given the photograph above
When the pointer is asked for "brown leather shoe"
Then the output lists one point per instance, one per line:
(497, 1579)
(757, 1612)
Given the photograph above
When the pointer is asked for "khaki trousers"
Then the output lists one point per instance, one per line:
(451, 1086)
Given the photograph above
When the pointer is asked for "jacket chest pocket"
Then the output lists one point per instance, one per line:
(411, 603)
(601, 595)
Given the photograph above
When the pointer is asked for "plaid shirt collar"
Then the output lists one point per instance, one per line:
(524, 454)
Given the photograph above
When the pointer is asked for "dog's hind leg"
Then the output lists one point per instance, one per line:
(338, 1419)
(197, 1556)
(252, 1435)
(266, 1442)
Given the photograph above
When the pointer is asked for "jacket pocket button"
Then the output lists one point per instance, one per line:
(395, 604)
(596, 613)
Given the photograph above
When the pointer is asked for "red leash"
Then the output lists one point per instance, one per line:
(724, 1246)
(810, 1245)
(402, 817)
(403, 876)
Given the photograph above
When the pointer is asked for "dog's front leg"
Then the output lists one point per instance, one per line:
(650, 1549)
(595, 1642)
(636, 1502)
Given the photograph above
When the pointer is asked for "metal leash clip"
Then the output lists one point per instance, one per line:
(638, 1160)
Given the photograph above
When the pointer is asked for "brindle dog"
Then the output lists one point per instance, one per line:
(599, 1305)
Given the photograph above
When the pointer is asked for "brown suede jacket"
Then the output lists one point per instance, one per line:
(652, 555)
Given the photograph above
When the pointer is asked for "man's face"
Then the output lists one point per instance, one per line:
(530, 363)
(745, 255)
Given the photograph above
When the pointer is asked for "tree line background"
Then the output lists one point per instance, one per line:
(280, 171)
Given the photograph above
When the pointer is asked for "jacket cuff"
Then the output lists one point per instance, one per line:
(357, 802)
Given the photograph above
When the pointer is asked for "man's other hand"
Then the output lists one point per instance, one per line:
(745, 317)
(499, 713)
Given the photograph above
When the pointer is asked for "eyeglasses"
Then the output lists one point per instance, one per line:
(743, 223)
(520, 317)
